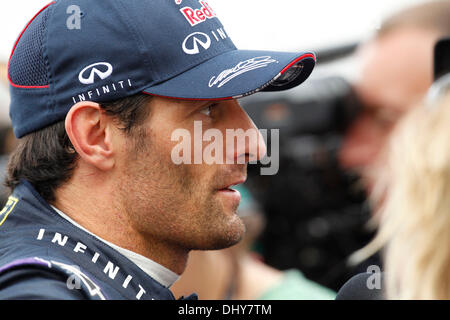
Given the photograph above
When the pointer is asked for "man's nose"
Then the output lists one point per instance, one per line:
(248, 143)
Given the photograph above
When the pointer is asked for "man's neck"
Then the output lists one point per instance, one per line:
(105, 217)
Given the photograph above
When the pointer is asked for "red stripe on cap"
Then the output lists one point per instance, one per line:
(305, 56)
(14, 48)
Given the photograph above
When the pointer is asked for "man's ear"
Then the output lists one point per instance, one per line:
(89, 129)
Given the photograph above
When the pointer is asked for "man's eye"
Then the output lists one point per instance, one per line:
(207, 111)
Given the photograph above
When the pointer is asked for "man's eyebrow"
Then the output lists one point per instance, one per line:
(200, 104)
(204, 103)
(192, 103)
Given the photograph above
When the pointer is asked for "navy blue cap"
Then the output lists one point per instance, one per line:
(103, 50)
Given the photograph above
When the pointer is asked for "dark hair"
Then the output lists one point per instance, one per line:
(46, 158)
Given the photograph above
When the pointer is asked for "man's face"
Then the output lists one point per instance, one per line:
(396, 73)
(185, 205)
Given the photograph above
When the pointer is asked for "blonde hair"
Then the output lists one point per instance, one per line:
(414, 218)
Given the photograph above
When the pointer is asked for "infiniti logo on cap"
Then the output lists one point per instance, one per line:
(103, 72)
(192, 42)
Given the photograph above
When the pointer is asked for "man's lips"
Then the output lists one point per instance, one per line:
(230, 195)
(233, 196)
(232, 183)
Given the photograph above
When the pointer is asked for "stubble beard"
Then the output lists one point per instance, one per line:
(169, 203)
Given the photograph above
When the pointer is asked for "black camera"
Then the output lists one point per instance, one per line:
(441, 58)
(315, 211)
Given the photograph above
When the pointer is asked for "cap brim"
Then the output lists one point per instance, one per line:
(238, 73)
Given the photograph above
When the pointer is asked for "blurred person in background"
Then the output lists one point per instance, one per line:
(396, 73)
(316, 206)
(414, 219)
(239, 273)
(397, 70)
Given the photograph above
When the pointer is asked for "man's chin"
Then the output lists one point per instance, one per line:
(228, 235)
